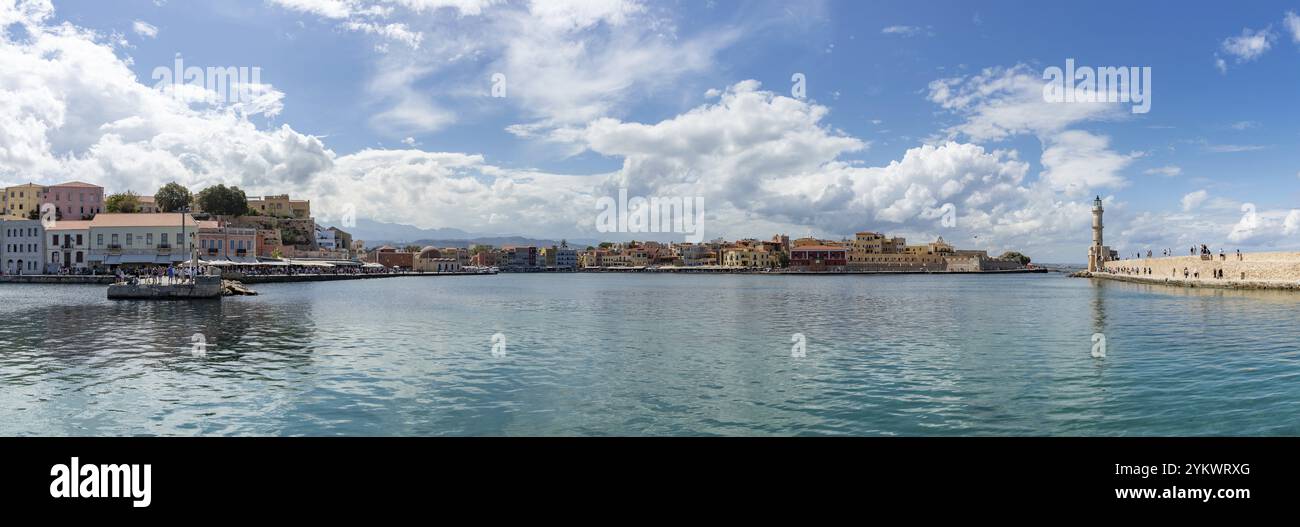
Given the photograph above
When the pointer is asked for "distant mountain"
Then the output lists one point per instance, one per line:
(375, 233)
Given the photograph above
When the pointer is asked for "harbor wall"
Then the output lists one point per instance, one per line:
(1257, 267)
(1279, 270)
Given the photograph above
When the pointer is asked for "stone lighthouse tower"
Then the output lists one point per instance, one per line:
(1097, 252)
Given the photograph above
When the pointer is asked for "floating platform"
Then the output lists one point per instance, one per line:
(202, 288)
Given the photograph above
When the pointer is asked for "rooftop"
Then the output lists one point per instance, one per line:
(76, 184)
(818, 248)
(141, 220)
(69, 225)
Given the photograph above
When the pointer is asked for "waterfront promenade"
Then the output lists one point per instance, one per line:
(1275, 270)
(250, 279)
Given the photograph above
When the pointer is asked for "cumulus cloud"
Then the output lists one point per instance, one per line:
(1193, 200)
(76, 111)
(999, 103)
(564, 62)
(1291, 224)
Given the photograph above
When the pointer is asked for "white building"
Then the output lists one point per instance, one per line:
(141, 239)
(68, 245)
(325, 239)
(23, 247)
(566, 258)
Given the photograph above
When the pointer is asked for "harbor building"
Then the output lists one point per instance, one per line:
(75, 200)
(141, 239)
(68, 246)
(23, 247)
(21, 200)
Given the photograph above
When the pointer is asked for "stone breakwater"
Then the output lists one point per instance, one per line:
(1253, 271)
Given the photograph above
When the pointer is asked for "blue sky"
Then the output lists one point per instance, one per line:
(395, 94)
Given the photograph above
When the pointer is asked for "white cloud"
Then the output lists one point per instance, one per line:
(144, 29)
(1250, 44)
(1166, 171)
(1194, 199)
(1001, 102)
(906, 31)
(1292, 23)
(1291, 224)
(336, 9)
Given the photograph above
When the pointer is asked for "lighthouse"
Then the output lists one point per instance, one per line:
(1097, 252)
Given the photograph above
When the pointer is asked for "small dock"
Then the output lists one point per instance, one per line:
(202, 287)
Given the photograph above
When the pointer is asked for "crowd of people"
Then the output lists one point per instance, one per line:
(160, 275)
(1188, 273)
(1203, 250)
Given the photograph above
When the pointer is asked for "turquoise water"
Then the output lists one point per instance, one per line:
(606, 354)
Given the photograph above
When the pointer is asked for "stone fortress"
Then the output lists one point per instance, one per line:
(1275, 270)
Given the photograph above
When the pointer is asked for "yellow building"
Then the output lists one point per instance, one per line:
(147, 205)
(280, 206)
(750, 257)
(20, 200)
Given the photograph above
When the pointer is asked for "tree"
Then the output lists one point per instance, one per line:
(173, 197)
(35, 214)
(1012, 255)
(222, 200)
(123, 203)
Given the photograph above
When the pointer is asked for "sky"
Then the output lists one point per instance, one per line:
(913, 118)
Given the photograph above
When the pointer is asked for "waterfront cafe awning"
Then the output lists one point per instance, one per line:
(137, 259)
(113, 259)
(372, 265)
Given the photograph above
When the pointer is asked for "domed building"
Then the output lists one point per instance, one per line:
(430, 260)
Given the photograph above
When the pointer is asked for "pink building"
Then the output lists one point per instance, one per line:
(223, 242)
(75, 200)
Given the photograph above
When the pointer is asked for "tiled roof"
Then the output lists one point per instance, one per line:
(141, 220)
(69, 225)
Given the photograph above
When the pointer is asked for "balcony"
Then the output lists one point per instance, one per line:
(114, 248)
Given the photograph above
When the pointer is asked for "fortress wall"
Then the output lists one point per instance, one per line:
(1280, 266)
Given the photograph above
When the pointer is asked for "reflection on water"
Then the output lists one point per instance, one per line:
(643, 354)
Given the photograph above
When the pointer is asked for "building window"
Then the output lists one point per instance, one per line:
(130, 239)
